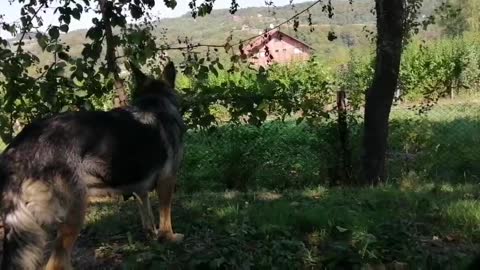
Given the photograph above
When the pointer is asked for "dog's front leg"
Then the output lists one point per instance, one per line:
(165, 190)
(146, 214)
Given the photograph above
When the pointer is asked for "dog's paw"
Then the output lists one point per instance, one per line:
(177, 238)
(171, 237)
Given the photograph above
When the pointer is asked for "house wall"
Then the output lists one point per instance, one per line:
(284, 50)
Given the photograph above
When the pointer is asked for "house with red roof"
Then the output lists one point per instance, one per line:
(276, 47)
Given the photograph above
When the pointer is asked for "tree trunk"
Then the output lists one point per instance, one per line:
(379, 97)
(344, 136)
(110, 57)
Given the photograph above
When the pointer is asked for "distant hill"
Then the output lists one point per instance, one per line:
(347, 23)
(250, 21)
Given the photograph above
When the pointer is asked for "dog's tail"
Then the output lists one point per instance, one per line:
(24, 242)
(27, 210)
(3, 179)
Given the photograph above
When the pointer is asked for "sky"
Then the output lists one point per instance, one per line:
(11, 11)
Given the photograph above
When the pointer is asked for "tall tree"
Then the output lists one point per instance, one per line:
(379, 98)
(458, 16)
(452, 18)
(106, 9)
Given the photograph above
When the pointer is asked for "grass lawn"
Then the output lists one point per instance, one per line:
(427, 226)
(426, 217)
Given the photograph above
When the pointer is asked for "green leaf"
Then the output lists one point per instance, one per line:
(136, 11)
(203, 73)
(81, 93)
(61, 64)
(63, 56)
(341, 229)
(64, 28)
(94, 33)
(42, 40)
(213, 70)
(149, 3)
(24, 21)
(76, 13)
(64, 109)
(331, 36)
(66, 18)
(170, 3)
(53, 32)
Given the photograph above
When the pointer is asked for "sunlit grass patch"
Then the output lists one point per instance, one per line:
(464, 214)
(314, 193)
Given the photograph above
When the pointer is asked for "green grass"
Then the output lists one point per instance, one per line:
(442, 144)
(283, 213)
(425, 226)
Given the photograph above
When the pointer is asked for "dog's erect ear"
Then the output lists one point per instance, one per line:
(169, 73)
(138, 76)
(137, 73)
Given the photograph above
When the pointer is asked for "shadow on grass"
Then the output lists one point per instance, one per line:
(426, 227)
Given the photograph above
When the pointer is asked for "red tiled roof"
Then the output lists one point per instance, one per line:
(261, 40)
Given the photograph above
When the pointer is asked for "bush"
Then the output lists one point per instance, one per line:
(441, 145)
(443, 67)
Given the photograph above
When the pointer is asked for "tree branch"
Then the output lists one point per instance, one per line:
(282, 23)
(110, 56)
(24, 30)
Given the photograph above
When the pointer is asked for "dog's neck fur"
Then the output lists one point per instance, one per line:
(149, 109)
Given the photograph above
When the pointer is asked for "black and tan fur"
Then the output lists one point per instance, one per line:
(53, 165)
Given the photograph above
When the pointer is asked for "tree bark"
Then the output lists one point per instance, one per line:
(379, 98)
(110, 57)
(344, 139)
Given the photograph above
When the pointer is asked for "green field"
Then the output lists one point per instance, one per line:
(442, 144)
(285, 216)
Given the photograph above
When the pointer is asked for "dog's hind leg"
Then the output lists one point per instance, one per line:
(165, 191)
(67, 234)
(146, 214)
(63, 246)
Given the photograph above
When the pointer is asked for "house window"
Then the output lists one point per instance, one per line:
(276, 50)
(284, 50)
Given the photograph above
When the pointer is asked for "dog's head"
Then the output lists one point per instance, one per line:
(147, 86)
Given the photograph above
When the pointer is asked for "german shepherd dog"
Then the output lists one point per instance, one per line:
(53, 165)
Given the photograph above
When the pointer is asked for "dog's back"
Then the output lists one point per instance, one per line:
(52, 165)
